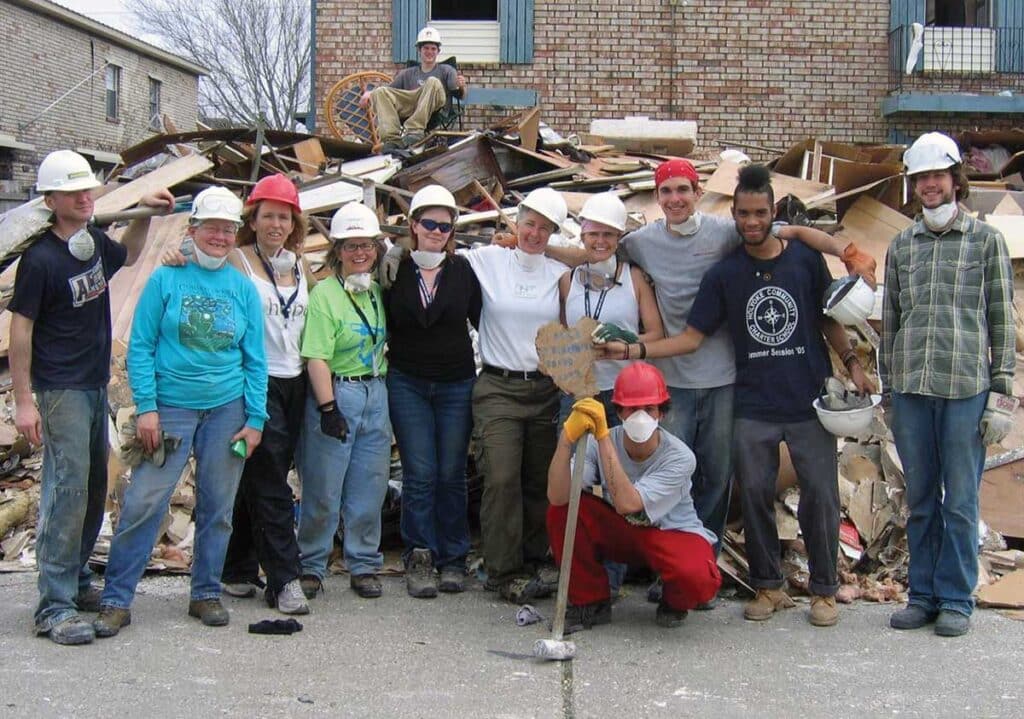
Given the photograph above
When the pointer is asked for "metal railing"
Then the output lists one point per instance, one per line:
(951, 55)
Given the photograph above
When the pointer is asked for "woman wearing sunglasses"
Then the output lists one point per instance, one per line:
(430, 384)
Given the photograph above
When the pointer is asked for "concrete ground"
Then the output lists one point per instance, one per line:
(464, 656)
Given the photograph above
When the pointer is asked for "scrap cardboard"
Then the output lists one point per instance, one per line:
(567, 356)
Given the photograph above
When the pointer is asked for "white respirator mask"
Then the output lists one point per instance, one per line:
(639, 426)
(283, 262)
(81, 245)
(689, 227)
(527, 261)
(208, 262)
(938, 218)
(427, 260)
(358, 282)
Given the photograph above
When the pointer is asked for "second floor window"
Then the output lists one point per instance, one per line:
(113, 92)
(154, 103)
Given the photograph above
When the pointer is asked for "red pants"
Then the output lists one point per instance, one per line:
(685, 561)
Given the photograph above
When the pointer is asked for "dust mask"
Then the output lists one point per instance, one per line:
(81, 245)
(639, 426)
(208, 262)
(427, 260)
(283, 262)
(938, 218)
(358, 282)
(689, 227)
(527, 261)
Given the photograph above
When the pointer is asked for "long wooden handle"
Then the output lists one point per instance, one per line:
(575, 489)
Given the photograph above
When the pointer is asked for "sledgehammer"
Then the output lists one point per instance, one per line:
(557, 648)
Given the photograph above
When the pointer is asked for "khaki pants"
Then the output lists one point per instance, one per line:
(392, 106)
(514, 424)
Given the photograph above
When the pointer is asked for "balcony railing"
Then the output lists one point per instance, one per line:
(950, 55)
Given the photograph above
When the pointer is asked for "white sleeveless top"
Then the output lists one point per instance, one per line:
(618, 305)
(281, 337)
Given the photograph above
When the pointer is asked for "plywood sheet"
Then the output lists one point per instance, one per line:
(723, 182)
(171, 174)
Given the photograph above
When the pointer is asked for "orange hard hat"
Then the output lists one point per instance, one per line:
(275, 187)
(640, 385)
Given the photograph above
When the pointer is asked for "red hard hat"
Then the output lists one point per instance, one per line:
(639, 385)
(275, 187)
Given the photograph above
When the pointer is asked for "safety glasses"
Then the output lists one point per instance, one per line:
(430, 225)
(595, 279)
(358, 247)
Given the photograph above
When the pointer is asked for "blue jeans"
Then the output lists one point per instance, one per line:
(433, 422)
(347, 479)
(74, 487)
(702, 418)
(208, 433)
(940, 445)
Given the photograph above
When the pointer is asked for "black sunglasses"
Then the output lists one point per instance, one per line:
(443, 227)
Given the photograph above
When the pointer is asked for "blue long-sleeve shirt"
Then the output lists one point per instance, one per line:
(197, 342)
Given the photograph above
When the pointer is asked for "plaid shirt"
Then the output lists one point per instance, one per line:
(947, 323)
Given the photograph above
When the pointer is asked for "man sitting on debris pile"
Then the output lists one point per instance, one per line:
(647, 516)
(947, 356)
(60, 347)
(404, 108)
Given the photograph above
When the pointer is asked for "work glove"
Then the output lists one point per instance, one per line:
(859, 263)
(997, 419)
(611, 332)
(387, 270)
(595, 410)
(332, 421)
(577, 425)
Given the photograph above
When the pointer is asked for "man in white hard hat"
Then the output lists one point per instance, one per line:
(60, 348)
(403, 109)
(947, 356)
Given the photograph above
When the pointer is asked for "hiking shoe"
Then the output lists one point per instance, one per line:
(912, 616)
(824, 612)
(654, 591)
(366, 586)
(311, 585)
(666, 616)
(89, 600)
(766, 603)
(453, 580)
(209, 611)
(411, 138)
(239, 590)
(111, 620)
(291, 599)
(420, 578)
(73, 630)
(520, 590)
(952, 624)
(585, 616)
(547, 579)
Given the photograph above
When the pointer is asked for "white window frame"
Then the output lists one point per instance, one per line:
(112, 95)
(470, 41)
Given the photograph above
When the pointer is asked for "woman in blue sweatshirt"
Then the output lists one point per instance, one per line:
(198, 373)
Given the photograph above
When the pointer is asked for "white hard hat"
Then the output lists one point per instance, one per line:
(433, 196)
(548, 203)
(849, 300)
(847, 422)
(65, 171)
(931, 151)
(216, 203)
(428, 34)
(354, 220)
(607, 209)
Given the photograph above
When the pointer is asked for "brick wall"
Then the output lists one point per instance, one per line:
(43, 59)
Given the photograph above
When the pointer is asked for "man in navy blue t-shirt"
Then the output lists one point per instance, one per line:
(769, 293)
(60, 347)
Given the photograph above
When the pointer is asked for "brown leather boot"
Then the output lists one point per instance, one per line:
(824, 612)
(766, 603)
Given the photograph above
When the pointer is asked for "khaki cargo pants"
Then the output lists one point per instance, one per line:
(392, 106)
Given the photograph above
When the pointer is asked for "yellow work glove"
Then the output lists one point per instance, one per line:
(595, 410)
(577, 425)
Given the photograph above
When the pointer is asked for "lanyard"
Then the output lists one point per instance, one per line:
(600, 302)
(285, 306)
(362, 316)
(427, 295)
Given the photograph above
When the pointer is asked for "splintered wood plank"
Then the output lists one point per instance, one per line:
(173, 173)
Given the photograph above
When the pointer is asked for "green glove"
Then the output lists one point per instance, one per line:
(610, 332)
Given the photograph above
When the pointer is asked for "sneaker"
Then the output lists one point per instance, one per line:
(824, 612)
(585, 616)
(912, 616)
(311, 585)
(766, 603)
(366, 586)
(520, 590)
(73, 630)
(111, 620)
(453, 580)
(666, 616)
(240, 590)
(420, 578)
(654, 592)
(209, 611)
(89, 600)
(952, 624)
(291, 599)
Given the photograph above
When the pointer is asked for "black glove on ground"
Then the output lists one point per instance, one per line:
(275, 626)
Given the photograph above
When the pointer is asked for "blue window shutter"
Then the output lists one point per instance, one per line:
(1010, 35)
(408, 17)
(902, 14)
(516, 18)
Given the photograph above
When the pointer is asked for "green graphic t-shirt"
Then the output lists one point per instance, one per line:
(347, 330)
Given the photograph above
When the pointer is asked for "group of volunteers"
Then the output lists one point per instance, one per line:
(710, 347)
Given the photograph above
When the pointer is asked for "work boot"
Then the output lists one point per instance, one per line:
(420, 579)
(654, 591)
(666, 616)
(411, 138)
(111, 620)
(89, 600)
(239, 590)
(453, 579)
(547, 578)
(311, 585)
(585, 616)
(912, 616)
(708, 605)
(520, 590)
(766, 603)
(291, 599)
(209, 611)
(952, 624)
(73, 630)
(824, 612)
(366, 586)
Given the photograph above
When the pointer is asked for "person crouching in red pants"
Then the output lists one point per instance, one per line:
(644, 516)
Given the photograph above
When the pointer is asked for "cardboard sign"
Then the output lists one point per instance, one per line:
(567, 356)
